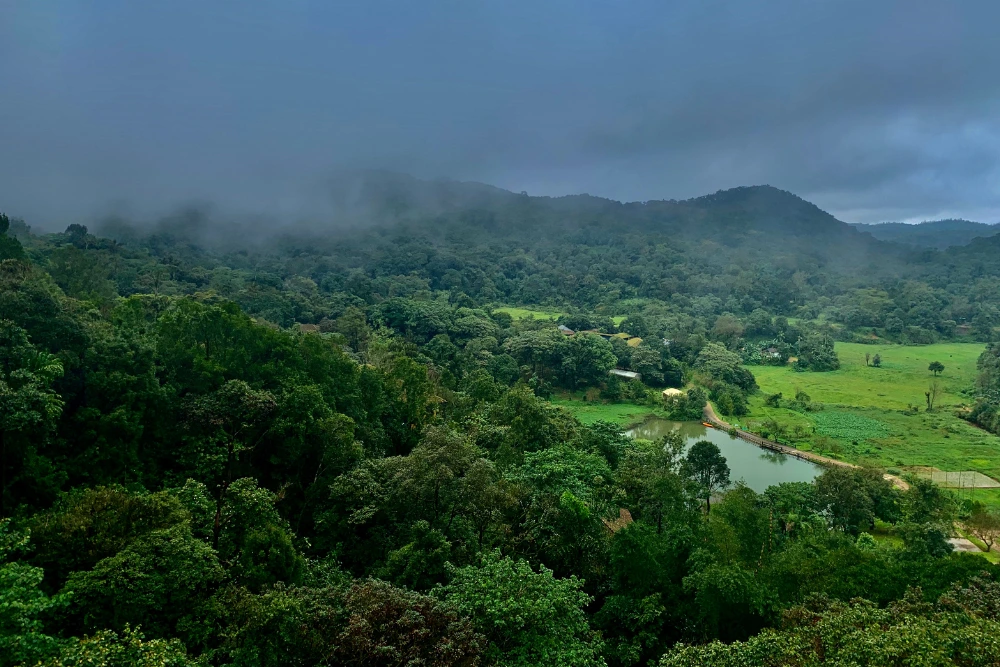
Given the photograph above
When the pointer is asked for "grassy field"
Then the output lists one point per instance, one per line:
(528, 313)
(901, 381)
(539, 314)
(588, 412)
(866, 413)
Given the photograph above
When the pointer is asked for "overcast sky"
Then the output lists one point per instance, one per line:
(875, 110)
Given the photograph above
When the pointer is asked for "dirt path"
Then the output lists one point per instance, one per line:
(712, 418)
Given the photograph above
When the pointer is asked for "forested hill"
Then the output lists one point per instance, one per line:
(938, 234)
(758, 219)
(680, 264)
(335, 445)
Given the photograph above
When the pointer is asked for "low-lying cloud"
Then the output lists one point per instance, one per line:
(874, 111)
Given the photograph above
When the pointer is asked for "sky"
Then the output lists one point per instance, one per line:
(885, 110)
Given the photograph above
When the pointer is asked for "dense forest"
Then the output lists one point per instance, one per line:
(938, 234)
(327, 445)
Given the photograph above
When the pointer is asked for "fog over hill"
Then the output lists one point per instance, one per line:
(134, 108)
(938, 234)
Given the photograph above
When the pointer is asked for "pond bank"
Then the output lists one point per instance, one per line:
(712, 418)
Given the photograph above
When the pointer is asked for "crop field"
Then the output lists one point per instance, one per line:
(879, 415)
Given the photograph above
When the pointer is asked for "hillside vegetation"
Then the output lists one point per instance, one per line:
(345, 443)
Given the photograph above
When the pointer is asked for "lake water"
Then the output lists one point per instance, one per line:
(758, 468)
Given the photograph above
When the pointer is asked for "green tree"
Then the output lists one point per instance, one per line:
(936, 367)
(725, 366)
(10, 248)
(852, 498)
(344, 622)
(646, 361)
(160, 582)
(816, 353)
(530, 618)
(822, 631)
(706, 465)
(254, 540)
(128, 649)
(22, 604)
(227, 425)
(588, 360)
(984, 524)
(29, 406)
(88, 525)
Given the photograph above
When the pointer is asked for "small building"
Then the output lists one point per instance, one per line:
(771, 353)
(627, 375)
(672, 393)
(565, 330)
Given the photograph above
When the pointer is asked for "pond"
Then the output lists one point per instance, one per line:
(758, 468)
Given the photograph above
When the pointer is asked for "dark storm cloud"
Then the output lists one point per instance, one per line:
(874, 110)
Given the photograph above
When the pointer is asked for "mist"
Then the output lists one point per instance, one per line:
(251, 113)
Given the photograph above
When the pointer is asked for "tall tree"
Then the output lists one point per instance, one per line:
(706, 465)
(29, 407)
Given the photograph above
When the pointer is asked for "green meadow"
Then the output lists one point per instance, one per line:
(879, 415)
(529, 313)
(901, 381)
(588, 412)
(542, 313)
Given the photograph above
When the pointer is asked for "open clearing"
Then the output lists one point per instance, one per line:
(589, 412)
(541, 313)
(866, 413)
(529, 313)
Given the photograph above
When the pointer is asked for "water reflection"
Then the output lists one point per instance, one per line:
(758, 468)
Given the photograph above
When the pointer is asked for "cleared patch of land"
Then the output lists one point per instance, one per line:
(529, 313)
(900, 381)
(879, 415)
(543, 313)
(589, 412)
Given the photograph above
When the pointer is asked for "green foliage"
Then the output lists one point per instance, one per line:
(187, 428)
(858, 633)
(366, 622)
(159, 582)
(707, 466)
(128, 649)
(22, 604)
(689, 406)
(530, 618)
(10, 248)
(29, 407)
(89, 525)
(853, 498)
(849, 426)
(816, 353)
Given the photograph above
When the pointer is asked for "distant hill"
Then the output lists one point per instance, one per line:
(760, 223)
(938, 234)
